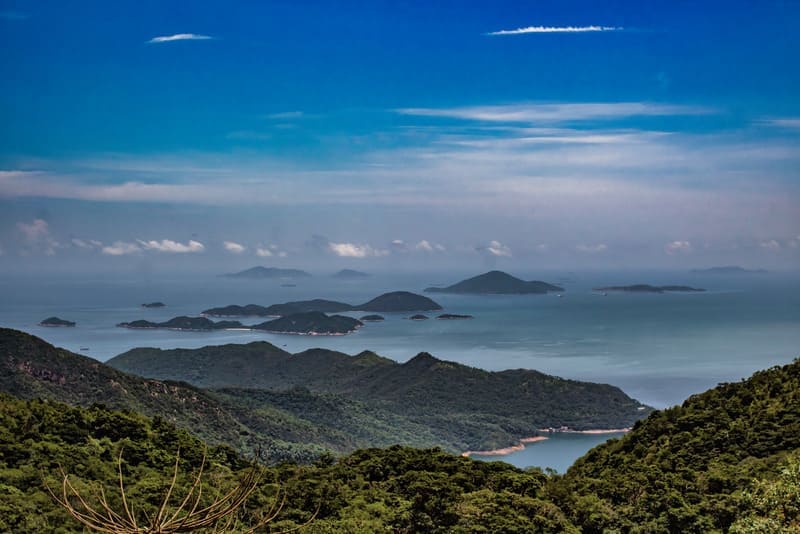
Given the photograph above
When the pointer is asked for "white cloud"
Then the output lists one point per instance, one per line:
(167, 245)
(263, 252)
(352, 250)
(495, 248)
(121, 248)
(282, 254)
(234, 247)
(179, 37)
(592, 249)
(771, 244)
(86, 244)
(542, 248)
(284, 115)
(427, 246)
(678, 247)
(557, 29)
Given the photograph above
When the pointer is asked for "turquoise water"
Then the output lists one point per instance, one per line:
(557, 452)
(658, 348)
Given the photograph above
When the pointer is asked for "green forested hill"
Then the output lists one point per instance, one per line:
(682, 469)
(472, 409)
(728, 460)
(446, 393)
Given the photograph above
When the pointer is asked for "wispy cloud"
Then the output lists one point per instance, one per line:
(37, 238)
(179, 37)
(557, 29)
(557, 112)
(786, 122)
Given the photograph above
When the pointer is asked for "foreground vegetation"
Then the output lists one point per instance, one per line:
(727, 460)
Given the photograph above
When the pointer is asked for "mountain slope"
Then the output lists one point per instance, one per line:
(519, 400)
(680, 470)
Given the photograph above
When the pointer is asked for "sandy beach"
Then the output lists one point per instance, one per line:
(506, 450)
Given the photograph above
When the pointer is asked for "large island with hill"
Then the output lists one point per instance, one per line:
(395, 301)
(260, 272)
(497, 283)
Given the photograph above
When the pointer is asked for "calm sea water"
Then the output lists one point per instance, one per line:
(658, 348)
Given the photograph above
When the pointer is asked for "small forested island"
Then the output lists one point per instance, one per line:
(350, 274)
(396, 301)
(418, 317)
(372, 318)
(153, 305)
(55, 321)
(260, 272)
(399, 301)
(453, 316)
(311, 323)
(646, 288)
(497, 283)
(728, 269)
(192, 324)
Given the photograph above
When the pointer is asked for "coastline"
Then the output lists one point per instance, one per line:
(535, 439)
(506, 450)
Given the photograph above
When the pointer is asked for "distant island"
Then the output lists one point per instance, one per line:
(453, 316)
(307, 323)
(372, 318)
(278, 310)
(396, 301)
(311, 323)
(418, 317)
(55, 321)
(259, 272)
(646, 288)
(193, 324)
(399, 301)
(350, 274)
(497, 283)
(728, 269)
(153, 305)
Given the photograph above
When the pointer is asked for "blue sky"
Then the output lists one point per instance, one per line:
(378, 134)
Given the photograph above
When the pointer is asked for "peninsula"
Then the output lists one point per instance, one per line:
(55, 321)
(497, 283)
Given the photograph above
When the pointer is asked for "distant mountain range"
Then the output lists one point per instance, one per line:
(350, 274)
(646, 288)
(259, 272)
(728, 269)
(297, 405)
(496, 282)
(396, 301)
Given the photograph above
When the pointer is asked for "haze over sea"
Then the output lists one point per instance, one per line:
(659, 348)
